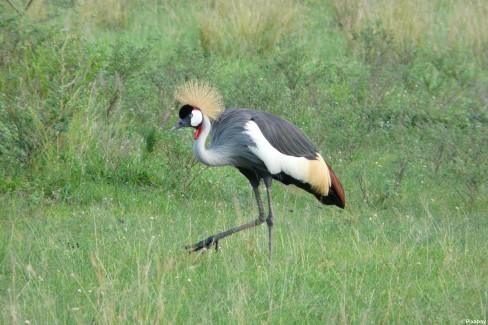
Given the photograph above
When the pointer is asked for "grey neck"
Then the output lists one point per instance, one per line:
(212, 156)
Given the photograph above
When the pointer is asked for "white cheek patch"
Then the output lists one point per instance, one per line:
(197, 118)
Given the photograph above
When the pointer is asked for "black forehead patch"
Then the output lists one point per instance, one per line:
(185, 110)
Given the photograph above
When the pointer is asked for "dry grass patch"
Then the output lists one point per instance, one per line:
(106, 13)
(437, 23)
(245, 27)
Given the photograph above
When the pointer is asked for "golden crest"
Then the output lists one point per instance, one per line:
(202, 96)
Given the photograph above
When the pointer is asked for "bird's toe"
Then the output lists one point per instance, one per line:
(204, 244)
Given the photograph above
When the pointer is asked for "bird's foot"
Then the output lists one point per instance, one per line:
(204, 244)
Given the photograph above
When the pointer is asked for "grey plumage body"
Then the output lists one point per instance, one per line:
(229, 142)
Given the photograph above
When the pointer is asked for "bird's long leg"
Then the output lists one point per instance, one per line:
(269, 220)
(207, 243)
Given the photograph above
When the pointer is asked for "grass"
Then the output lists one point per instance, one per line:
(119, 257)
(432, 23)
(242, 28)
(98, 197)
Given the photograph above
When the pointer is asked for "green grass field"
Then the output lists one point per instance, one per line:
(98, 197)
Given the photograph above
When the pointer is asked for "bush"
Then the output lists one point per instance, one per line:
(45, 77)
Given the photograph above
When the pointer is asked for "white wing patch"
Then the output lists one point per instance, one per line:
(275, 161)
(314, 172)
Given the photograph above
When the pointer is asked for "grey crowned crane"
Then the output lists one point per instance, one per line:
(261, 146)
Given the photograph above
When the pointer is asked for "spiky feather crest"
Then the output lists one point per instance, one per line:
(201, 95)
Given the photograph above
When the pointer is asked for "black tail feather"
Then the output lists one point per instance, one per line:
(333, 198)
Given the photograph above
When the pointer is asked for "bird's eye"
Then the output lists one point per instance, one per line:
(190, 115)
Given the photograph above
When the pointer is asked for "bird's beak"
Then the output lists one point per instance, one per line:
(178, 125)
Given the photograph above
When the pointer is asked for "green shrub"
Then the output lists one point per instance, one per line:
(44, 81)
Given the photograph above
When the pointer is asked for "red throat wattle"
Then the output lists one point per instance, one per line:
(197, 132)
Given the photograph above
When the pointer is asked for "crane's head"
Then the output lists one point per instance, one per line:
(189, 117)
(198, 100)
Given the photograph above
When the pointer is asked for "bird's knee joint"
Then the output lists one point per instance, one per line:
(269, 221)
